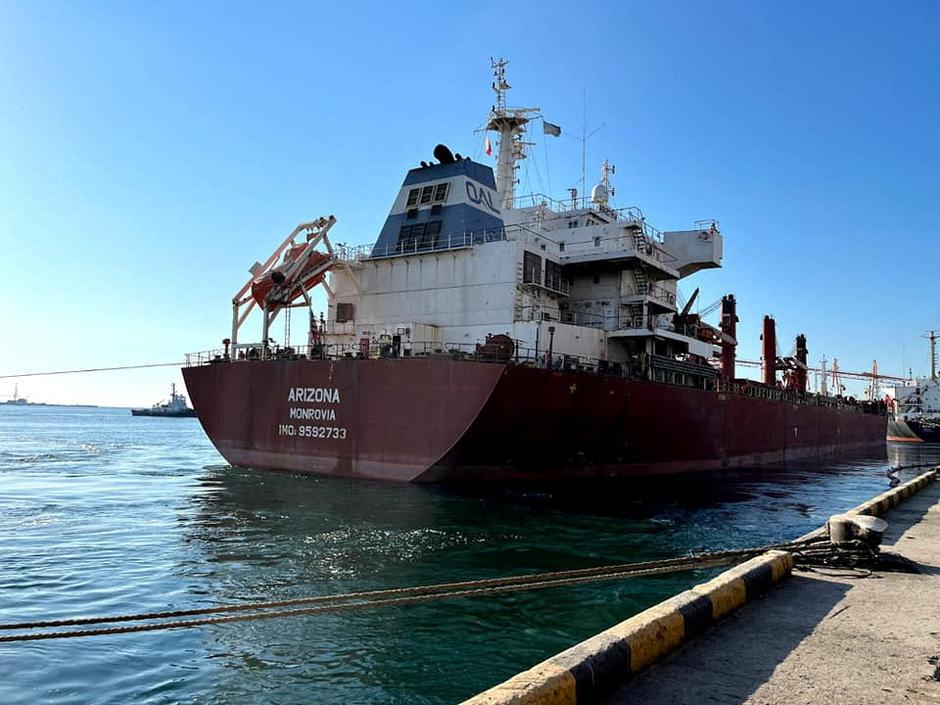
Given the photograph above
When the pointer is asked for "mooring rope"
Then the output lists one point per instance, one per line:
(323, 604)
(94, 369)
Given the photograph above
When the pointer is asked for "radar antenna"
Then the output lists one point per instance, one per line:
(603, 192)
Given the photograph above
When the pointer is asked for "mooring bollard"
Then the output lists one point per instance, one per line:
(851, 528)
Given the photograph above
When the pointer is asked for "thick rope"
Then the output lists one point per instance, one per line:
(93, 369)
(376, 598)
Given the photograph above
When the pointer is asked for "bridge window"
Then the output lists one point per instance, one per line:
(406, 237)
(531, 268)
(429, 237)
(440, 192)
(413, 197)
(426, 193)
(417, 234)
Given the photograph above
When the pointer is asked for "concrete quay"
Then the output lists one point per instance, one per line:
(822, 636)
(842, 636)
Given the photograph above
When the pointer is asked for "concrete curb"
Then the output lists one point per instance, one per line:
(877, 506)
(598, 664)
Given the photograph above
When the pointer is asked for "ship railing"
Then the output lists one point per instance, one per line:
(385, 348)
(656, 292)
(641, 366)
(624, 242)
(760, 391)
(553, 282)
(352, 253)
(631, 215)
(631, 322)
(439, 243)
(573, 317)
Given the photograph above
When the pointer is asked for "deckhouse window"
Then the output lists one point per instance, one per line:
(531, 268)
(344, 313)
(413, 197)
(553, 275)
(426, 193)
(440, 192)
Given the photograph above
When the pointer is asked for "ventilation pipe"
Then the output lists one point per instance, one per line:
(729, 339)
(769, 356)
(802, 355)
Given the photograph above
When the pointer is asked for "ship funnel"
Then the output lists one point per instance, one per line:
(729, 338)
(769, 356)
(443, 154)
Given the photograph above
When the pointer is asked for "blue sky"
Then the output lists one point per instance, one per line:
(150, 152)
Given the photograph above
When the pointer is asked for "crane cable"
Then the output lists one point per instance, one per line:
(323, 604)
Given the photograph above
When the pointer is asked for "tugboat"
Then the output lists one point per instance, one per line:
(175, 407)
(916, 407)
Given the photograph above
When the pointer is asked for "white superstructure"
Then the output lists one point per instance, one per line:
(919, 399)
(462, 257)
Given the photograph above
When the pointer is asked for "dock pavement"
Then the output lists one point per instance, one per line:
(824, 636)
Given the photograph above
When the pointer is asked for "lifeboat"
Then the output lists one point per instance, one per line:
(312, 273)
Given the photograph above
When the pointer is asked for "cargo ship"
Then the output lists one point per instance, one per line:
(915, 407)
(493, 336)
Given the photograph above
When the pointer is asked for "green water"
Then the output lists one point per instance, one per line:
(102, 513)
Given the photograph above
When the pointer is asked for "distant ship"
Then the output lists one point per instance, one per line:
(175, 407)
(916, 412)
(492, 336)
(17, 400)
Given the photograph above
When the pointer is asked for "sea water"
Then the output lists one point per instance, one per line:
(103, 513)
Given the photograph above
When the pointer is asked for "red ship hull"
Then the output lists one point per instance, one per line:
(445, 420)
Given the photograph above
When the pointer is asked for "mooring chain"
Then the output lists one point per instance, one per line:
(376, 598)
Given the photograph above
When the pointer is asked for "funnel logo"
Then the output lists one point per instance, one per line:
(481, 196)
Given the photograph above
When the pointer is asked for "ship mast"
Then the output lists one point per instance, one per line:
(932, 336)
(510, 124)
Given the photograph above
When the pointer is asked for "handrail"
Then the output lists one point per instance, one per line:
(638, 367)
(441, 243)
(629, 214)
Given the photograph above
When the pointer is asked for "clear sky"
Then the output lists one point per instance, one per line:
(151, 152)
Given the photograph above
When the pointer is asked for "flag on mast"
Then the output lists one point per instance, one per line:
(487, 146)
(550, 129)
